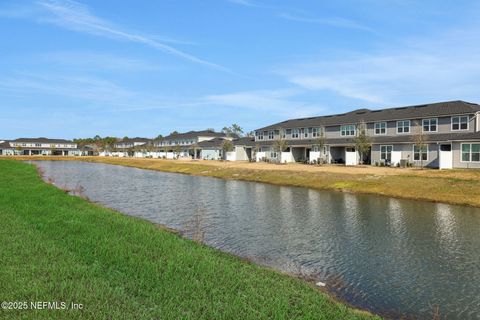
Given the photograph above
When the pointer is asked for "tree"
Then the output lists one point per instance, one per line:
(280, 145)
(250, 134)
(256, 150)
(227, 146)
(233, 130)
(419, 141)
(363, 142)
(159, 137)
(177, 150)
(174, 132)
(320, 141)
(210, 130)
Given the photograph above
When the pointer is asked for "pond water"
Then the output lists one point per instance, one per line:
(397, 258)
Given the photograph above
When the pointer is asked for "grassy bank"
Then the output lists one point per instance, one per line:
(449, 186)
(57, 247)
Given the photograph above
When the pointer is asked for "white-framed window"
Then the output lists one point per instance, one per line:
(460, 123)
(295, 133)
(348, 130)
(316, 132)
(403, 126)
(259, 135)
(470, 152)
(380, 128)
(420, 153)
(305, 132)
(430, 125)
(271, 135)
(386, 153)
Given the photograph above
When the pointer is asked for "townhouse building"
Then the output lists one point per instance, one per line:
(186, 144)
(451, 131)
(39, 146)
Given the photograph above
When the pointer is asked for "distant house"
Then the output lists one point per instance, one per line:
(450, 130)
(183, 145)
(39, 146)
(213, 149)
(126, 147)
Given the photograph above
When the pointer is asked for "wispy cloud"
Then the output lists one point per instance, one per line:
(93, 61)
(284, 102)
(76, 16)
(417, 70)
(336, 22)
(332, 21)
(247, 3)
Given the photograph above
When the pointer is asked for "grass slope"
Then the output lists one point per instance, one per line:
(56, 247)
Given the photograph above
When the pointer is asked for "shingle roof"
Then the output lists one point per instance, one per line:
(244, 141)
(137, 139)
(194, 134)
(214, 143)
(42, 140)
(410, 112)
(5, 145)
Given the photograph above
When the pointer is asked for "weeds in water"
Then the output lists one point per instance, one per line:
(195, 226)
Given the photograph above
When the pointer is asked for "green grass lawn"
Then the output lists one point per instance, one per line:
(56, 247)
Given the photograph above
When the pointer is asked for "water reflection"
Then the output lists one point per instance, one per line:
(392, 256)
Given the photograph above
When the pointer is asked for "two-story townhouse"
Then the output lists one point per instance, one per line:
(40, 146)
(127, 146)
(451, 131)
(186, 144)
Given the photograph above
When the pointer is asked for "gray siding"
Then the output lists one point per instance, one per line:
(406, 150)
(457, 154)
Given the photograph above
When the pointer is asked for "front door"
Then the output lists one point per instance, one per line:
(445, 156)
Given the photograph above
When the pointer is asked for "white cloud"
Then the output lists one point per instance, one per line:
(243, 3)
(284, 102)
(75, 16)
(331, 21)
(92, 61)
(443, 67)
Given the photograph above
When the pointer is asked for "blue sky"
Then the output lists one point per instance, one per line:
(142, 68)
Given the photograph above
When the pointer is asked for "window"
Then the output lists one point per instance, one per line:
(271, 135)
(381, 128)
(420, 154)
(260, 135)
(315, 132)
(459, 123)
(305, 133)
(295, 133)
(470, 152)
(403, 126)
(430, 125)
(347, 130)
(386, 153)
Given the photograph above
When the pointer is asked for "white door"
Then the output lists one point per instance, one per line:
(445, 156)
(351, 157)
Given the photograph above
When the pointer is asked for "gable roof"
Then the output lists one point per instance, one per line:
(5, 145)
(137, 139)
(41, 140)
(398, 113)
(193, 134)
